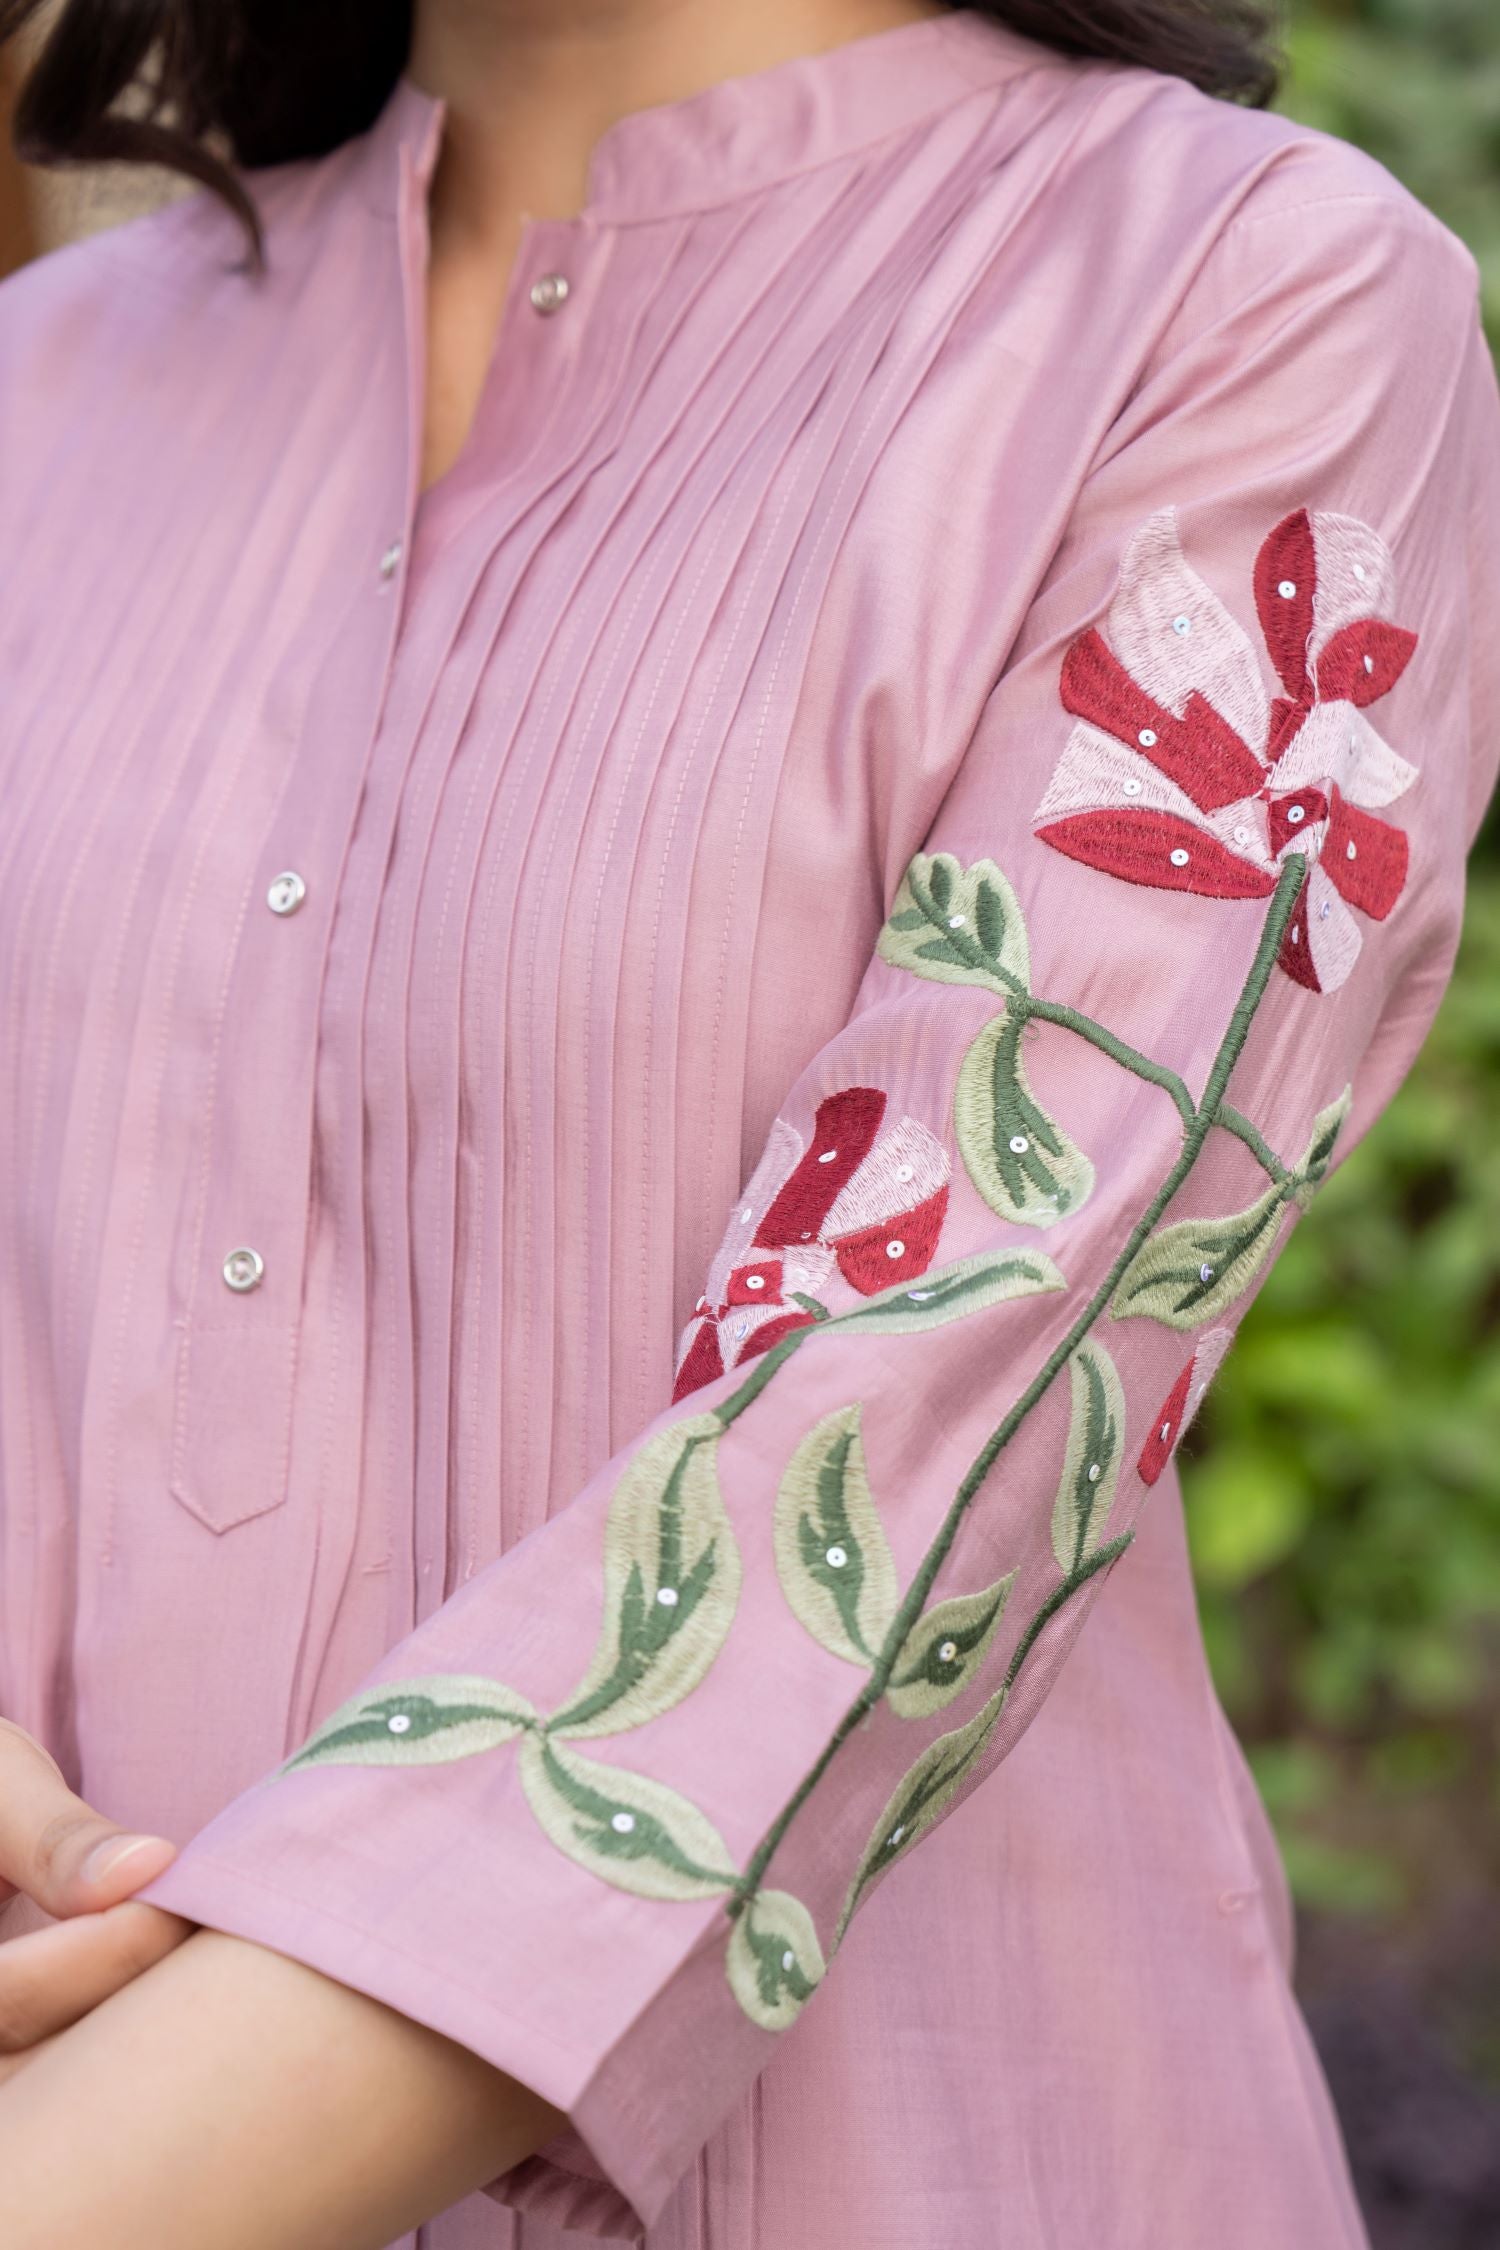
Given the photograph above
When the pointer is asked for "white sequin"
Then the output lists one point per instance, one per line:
(1179, 857)
(947, 1652)
(399, 1721)
(1353, 854)
(1287, 589)
(1095, 1472)
(1182, 624)
(755, 1281)
(788, 1960)
(1132, 788)
(955, 921)
(836, 1558)
(1019, 1144)
(828, 1156)
(667, 1596)
(1205, 1273)
(895, 1249)
(622, 1822)
(1147, 738)
(1296, 814)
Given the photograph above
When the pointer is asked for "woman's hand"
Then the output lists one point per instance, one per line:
(75, 1872)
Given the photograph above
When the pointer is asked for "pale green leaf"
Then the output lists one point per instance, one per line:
(1313, 1169)
(628, 1829)
(962, 925)
(775, 1962)
(419, 1722)
(1192, 1272)
(920, 1799)
(671, 1582)
(943, 1651)
(948, 1292)
(1019, 1158)
(831, 1551)
(1091, 1462)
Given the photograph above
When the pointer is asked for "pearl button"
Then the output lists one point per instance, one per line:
(243, 1268)
(549, 292)
(286, 893)
(390, 560)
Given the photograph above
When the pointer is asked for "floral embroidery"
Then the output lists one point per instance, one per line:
(864, 1203)
(671, 1571)
(1182, 775)
(1183, 1401)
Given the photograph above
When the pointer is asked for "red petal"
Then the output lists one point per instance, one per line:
(1286, 719)
(1139, 846)
(1200, 752)
(1157, 1450)
(702, 1362)
(1365, 859)
(1310, 803)
(1296, 953)
(759, 1284)
(866, 1259)
(771, 1332)
(1364, 661)
(1288, 557)
(844, 1132)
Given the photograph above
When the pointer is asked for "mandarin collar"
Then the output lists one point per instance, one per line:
(744, 134)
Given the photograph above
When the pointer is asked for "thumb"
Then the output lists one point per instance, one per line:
(54, 1847)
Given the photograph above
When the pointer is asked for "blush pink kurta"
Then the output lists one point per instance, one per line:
(942, 448)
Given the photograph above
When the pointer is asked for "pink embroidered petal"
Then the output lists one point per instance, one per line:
(1286, 575)
(906, 1166)
(1337, 743)
(1322, 941)
(1356, 576)
(1176, 638)
(1365, 858)
(875, 1258)
(1160, 851)
(844, 1132)
(777, 1162)
(1096, 773)
(1364, 661)
(1199, 751)
(1213, 1349)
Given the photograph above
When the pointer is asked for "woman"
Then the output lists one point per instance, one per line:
(713, 810)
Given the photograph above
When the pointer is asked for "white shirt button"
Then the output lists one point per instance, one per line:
(286, 893)
(391, 559)
(243, 1268)
(549, 292)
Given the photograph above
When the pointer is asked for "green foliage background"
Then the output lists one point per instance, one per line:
(1343, 1486)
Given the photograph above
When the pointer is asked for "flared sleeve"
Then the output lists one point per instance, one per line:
(608, 1816)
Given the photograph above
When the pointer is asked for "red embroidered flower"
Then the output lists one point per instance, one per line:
(859, 1202)
(1183, 775)
(1183, 1401)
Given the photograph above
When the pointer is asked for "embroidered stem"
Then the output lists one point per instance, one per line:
(1233, 1121)
(1129, 1058)
(1100, 1559)
(1287, 891)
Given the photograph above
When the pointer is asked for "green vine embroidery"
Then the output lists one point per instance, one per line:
(671, 1564)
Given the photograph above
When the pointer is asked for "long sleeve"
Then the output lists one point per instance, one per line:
(1175, 934)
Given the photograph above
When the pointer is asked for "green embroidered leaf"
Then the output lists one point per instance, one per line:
(775, 1963)
(1022, 1163)
(624, 1827)
(962, 925)
(417, 1723)
(1191, 1273)
(671, 1582)
(831, 1552)
(1313, 1169)
(920, 1798)
(948, 1292)
(1091, 1463)
(944, 1650)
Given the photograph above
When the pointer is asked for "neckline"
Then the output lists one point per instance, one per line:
(745, 134)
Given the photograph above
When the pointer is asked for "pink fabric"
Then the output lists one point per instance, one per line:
(756, 577)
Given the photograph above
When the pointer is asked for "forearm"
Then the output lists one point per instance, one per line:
(234, 2096)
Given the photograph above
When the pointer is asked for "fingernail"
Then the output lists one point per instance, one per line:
(107, 1857)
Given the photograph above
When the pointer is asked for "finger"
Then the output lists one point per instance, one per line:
(56, 1848)
(50, 1979)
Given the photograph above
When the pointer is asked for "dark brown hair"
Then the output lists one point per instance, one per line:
(226, 85)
